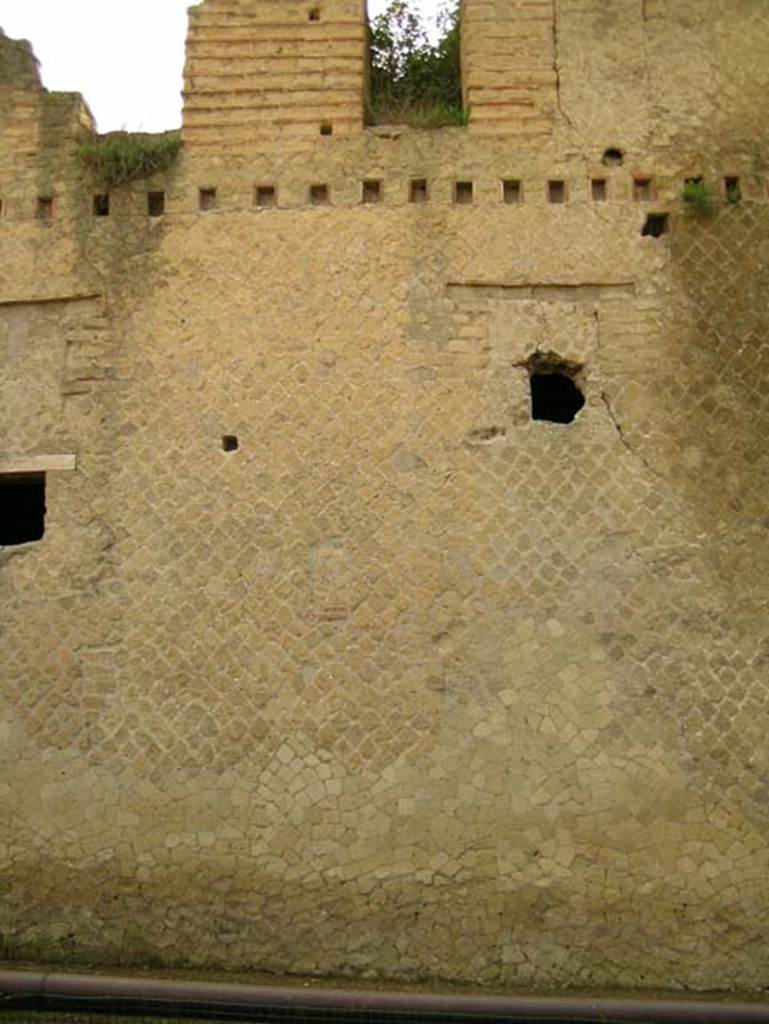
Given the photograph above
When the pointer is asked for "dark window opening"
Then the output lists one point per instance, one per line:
(313, 14)
(697, 180)
(22, 508)
(372, 191)
(326, 128)
(511, 191)
(556, 191)
(2, 208)
(642, 189)
(656, 224)
(101, 205)
(613, 157)
(265, 195)
(319, 195)
(732, 190)
(463, 192)
(44, 207)
(598, 190)
(555, 394)
(230, 443)
(418, 190)
(156, 204)
(207, 199)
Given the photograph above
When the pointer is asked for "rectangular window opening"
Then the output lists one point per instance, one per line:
(642, 189)
(319, 195)
(101, 204)
(598, 190)
(156, 204)
(418, 190)
(22, 508)
(44, 207)
(732, 190)
(556, 191)
(207, 199)
(463, 192)
(265, 195)
(512, 191)
(372, 191)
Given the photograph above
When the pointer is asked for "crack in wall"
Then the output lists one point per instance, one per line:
(557, 67)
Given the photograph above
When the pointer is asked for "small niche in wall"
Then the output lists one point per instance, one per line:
(463, 192)
(22, 508)
(265, 196)
(230, 443)
(44, 210)
(512, 192)
(555, 392)
(642, 190)
(101, 204)
(655, 225)
(326, 128)
(319, 195)
(313, 14)
(372, 191)
(156, 204)
(613, 157)
(418, 190)
(556, 191)
(598, 190)
(207, 199)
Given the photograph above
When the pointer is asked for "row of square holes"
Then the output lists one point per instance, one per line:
(372, 192)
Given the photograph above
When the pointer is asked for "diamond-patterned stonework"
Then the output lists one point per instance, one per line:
(408, 684)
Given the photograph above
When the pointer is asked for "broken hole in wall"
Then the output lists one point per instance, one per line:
(22, 508)
(655, 225)
(555, 392)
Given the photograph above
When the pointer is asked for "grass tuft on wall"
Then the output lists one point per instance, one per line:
(121, 157)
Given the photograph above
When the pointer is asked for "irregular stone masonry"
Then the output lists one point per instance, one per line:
(332, 658)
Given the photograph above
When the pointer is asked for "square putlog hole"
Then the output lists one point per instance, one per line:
(418, 190)
(230, 443)
(556, 191)
(732, 190)
(319, 195)
(512, 192)
(44, 210)
(463, 192)
(598, 190)
(642, 189)
(22, 508)
(207, 199)
(265, 196)
(156, 204)
(372, 191)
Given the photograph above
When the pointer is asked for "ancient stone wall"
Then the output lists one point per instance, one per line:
(332, 658)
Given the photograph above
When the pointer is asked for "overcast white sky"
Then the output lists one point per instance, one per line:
(124, 56)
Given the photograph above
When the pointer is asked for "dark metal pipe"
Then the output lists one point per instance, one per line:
(572, 1008)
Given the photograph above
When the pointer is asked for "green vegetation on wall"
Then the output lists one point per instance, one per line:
(414, 81)
(120, 157)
